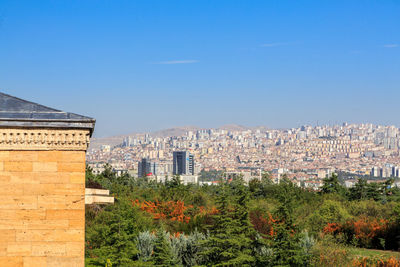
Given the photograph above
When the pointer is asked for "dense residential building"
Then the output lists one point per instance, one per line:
(306, 154)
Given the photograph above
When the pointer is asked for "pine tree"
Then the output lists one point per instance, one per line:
(360, 190)
(229, 243)
(162, 250)
(374, 191)
(114, 238)
(332, 185)
(245, 229)
(286, 245)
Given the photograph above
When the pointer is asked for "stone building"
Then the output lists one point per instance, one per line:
(42, 184)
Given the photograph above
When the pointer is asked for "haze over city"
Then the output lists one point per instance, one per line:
(139, 66)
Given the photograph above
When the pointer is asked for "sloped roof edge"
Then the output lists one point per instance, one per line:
(17, 112)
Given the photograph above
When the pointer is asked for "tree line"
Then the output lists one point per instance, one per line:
(234, 224)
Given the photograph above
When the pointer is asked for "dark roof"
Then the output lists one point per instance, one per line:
(16, 112)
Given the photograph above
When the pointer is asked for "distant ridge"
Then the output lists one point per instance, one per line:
(174, 131)
(233, 127)
(95, 143)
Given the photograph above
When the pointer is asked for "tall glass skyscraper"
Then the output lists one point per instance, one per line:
(183, 163)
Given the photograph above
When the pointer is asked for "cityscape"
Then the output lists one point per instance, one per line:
(199, 133)
(305, 155)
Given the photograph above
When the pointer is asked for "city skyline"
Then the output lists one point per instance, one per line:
(305, 154)
(281, 64)
(239, 127)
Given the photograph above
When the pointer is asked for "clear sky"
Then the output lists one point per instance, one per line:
(148, 65)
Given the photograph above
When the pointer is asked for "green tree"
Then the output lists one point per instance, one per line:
(359, 191)
(374, 191)
(245, 229)
(286, 243)
(256, 188)
(175, 181)
(332, 185)
(386, 189)
(330, 211)
(229, 244)
(266, 178)
(108, 172)
(162, 250)
(112, 233)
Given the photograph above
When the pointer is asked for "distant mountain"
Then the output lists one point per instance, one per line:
(233, 127)
(95, 143)
(236, 127)
(112, 141)
(176, 131)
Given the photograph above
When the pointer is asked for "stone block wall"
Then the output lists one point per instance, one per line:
(42, 207)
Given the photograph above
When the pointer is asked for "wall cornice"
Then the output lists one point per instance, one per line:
(43, 139)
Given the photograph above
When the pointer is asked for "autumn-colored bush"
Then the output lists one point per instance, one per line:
(376, 262)
(364, 232)
(210, 211)
(367, 232)
(263, 224)
(172, 210)
(332, 228)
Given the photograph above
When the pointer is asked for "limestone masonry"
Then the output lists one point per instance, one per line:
(42, 184)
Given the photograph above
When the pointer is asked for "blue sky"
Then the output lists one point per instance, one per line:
(148, 65)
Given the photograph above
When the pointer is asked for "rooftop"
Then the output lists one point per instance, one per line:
(16, 112)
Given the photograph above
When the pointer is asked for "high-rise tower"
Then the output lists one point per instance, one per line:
(183, 163)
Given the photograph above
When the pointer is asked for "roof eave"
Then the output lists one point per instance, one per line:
(23, 123)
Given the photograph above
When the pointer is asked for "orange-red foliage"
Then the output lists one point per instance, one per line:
(262, 224)
(365, 230)
(331, 228)
(365, 261)
(172, 210)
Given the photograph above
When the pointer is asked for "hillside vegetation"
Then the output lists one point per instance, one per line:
(233, 224)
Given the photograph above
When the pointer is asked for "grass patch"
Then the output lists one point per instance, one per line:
(363, 252)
